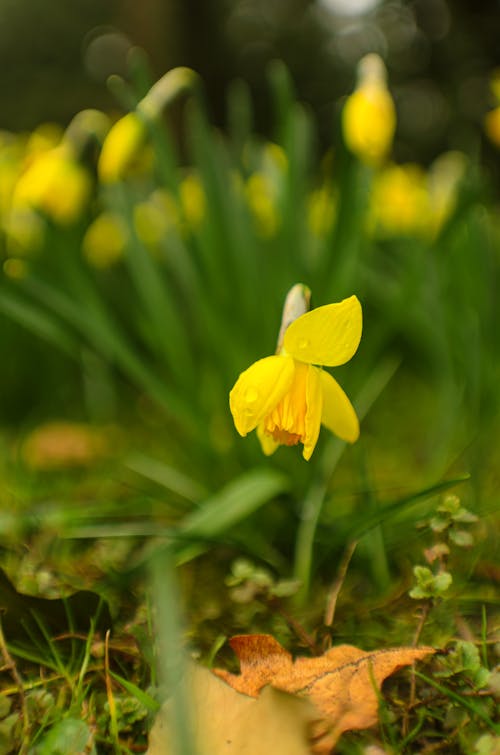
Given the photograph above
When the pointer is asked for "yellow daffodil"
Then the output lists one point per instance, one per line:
(492, 125)
(321, 210)
(444, 179)
(105, 240)
(369, 116)
(193, 202)
(121, 147)
(492, 118)
(56, 184)
(262, 202)
(399, 202)
(124, 147)
(286, 397)
(267, 167)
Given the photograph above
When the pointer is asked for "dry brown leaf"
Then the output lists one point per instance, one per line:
(57, 445)
(343, 683)
(227, 723)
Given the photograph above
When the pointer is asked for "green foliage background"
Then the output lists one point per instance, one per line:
(145, 351)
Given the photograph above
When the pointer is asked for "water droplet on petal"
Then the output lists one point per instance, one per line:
(251, 395)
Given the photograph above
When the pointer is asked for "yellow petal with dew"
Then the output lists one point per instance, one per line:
(327, 335)
(338, 412)
(258, 390)
(314, 403)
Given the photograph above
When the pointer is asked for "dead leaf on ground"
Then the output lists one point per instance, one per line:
(227, 723)
(343, 683)
(59, 445)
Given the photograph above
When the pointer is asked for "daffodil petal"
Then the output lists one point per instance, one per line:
(314, 406)
(258, 390)
(338, 412)
(267, 442)
(327, 335)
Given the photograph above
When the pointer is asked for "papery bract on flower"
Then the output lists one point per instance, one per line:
(286, 397)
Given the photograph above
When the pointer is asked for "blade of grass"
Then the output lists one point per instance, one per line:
(235, 501)
(461, 700)
(230, 258)
(375, 520)
(166, 330)
(39, 322)
(100, 332)
(239, 116)
(151, 705)
(166, 476)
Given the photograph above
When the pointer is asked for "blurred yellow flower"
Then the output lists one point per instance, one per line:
(285, 397)
(55, 184)
(10, 170)
(43, 138)
(492, 119)
(15, 268)
(151, 223)
(322, 208)
(492, 125)
(104, 241)
(266, 166)
(24, 231)
(405, 200)
(121, 148)
(125, 145)
(156, 217)
(193, 202)
(261, 198)
(369, 116)
(443, 180)
(399, 201)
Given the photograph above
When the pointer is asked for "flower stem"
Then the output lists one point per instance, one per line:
(315, 497)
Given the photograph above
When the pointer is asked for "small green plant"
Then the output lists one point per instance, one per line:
(433, 582)
(250, 582)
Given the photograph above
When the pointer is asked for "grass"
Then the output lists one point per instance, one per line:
(153, 509)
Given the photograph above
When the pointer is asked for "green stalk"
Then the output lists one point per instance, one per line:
(313, 502)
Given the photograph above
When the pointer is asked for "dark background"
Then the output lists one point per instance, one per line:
(56, 55)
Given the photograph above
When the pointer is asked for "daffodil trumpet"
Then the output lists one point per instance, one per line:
(288, 396)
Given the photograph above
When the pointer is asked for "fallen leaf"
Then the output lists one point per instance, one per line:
(343, 683)
(58, 445)
(227, 723)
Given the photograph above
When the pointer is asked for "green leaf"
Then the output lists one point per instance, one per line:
(10, 728)
(69, 735)
(152, 705)
(166, 476)
(429, 585)
(38, 321)
(461, 538)
(235, 501)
